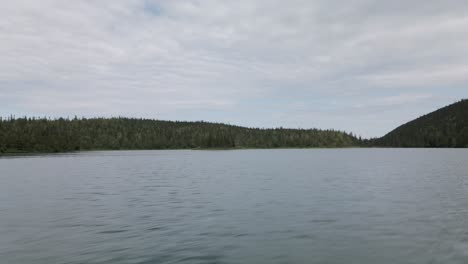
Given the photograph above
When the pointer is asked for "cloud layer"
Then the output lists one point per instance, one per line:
(359, 65)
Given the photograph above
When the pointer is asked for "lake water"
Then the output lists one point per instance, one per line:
(240, 206)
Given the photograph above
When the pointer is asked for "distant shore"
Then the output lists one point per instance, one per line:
(444, 128)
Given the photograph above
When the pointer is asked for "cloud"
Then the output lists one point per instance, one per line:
(254, 63)
(426, 76)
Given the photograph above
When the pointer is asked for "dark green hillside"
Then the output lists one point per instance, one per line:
(45, 135)
(446, 127)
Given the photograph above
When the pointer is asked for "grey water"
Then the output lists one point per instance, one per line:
(236, 206)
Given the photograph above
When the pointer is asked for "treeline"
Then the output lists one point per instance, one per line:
(59, 135)
(446, 127)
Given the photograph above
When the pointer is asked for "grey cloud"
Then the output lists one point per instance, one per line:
(222, 60)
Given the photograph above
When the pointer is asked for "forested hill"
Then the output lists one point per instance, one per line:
(45, 135)
(446, 127)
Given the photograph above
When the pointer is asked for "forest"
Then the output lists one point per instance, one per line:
(446, 127)
(60, 135)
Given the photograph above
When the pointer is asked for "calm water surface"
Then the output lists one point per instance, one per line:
(244, 206)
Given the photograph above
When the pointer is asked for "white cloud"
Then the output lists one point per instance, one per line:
(255, 63)
(426, 76)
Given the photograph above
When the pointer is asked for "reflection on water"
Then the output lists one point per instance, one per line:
(245, 206)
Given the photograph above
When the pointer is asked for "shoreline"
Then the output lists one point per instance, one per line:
(29, 153)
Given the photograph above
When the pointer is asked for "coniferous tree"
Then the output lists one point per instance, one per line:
(46, 135)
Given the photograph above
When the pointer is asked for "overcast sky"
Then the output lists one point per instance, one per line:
(357, 65)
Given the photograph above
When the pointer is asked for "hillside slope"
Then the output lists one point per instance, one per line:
(446, 127)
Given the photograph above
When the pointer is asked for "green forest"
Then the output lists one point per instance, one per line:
(59, 135)
(446, 127)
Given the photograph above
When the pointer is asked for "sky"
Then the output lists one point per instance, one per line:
(357, 65)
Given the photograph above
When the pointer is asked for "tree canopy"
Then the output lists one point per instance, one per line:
(446, 127)
(58, 135)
